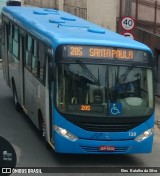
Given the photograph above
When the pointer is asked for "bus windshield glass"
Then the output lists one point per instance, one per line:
(104, 90)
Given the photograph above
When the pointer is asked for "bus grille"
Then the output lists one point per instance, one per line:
(106, 127)
(90, 149)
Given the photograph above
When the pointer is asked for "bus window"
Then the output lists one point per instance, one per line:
(10, 38)
(3, 32)
(34, 57)
(15, 41)
(41, 71)
(81, 90)
(28, 52)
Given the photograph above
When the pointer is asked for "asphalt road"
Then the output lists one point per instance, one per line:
(32, 152)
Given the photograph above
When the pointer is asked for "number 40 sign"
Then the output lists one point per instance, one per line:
(127, 23)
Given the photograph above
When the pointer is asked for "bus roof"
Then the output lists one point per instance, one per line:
(58, 27)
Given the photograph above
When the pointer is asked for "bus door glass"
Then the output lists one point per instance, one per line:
(51, 90)
(27, 73)
(22, 53)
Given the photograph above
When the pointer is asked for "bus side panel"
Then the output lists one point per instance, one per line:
(34, 96)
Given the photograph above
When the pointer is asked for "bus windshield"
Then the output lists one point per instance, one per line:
(104, 90)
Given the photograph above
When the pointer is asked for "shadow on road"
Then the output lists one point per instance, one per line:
(95, 160)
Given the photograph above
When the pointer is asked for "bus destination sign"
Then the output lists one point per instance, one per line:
(73, 51)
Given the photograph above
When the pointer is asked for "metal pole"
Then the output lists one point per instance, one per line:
(136, 11)
(120, 16)
(120, 11)
(155, 16)
(128, 7)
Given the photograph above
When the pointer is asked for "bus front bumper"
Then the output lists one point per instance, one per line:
(83, 146)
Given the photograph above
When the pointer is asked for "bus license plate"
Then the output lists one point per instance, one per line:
(107, 148)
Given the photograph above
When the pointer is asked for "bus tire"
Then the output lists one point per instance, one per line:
(15, 99)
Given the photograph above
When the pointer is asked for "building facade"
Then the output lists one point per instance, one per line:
(147, 18)
(101, 12)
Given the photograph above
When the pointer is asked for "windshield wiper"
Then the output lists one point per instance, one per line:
(124, 76)
(89, 73)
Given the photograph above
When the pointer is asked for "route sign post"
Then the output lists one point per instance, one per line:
(127, 23)
(129, 35)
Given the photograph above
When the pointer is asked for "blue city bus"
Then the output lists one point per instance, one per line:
(87, 89)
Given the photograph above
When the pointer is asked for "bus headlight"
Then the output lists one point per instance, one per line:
(65, 133)
(144, 135)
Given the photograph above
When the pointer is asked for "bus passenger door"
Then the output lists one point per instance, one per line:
(50, 92)
(22, 60)
(21, 45)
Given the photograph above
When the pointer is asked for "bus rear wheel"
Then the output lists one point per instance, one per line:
(15, 99)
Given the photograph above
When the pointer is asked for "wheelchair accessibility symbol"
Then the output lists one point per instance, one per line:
(115, 109)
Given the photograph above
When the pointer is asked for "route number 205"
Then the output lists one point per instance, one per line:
(76, 51)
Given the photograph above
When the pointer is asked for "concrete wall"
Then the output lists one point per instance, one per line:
(101, 12)
(42, 3)
(146, 9)
(76, 7)
(143, 11)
